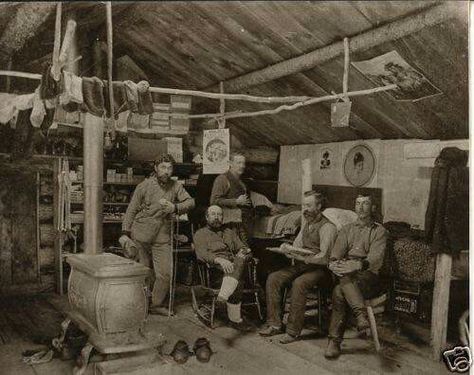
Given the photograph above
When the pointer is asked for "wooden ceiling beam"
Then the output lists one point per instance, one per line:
(26, 22)
(369, 39)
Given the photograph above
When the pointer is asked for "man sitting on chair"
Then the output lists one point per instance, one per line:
(317, 235)
(356, 259)
(221, 246)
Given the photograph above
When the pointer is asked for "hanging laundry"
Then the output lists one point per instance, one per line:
(71, 89)
(93, 96)
(447, 213)
(131, 90)
(10, 104)
(145, 101)
(122, 121)
(138, 122)
(39, 110)
(49, 88)
(120, 98)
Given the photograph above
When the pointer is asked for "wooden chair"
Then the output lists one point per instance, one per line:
(319, 295)
(206, 308)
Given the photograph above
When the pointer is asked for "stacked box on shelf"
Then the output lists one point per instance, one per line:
(160, 118)
(181, 105)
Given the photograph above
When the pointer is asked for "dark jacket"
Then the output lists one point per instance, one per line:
(447, 214)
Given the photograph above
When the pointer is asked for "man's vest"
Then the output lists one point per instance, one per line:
(311, 238)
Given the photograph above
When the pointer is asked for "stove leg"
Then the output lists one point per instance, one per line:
(83, 360)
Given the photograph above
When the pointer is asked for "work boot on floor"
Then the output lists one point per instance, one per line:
(333, 349)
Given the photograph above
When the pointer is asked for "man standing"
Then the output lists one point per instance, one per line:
(148, 222)
(318, 235)
(356, 259)
(230, 193)
(220, 246)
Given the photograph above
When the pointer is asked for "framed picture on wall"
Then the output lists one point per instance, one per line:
(359, 165)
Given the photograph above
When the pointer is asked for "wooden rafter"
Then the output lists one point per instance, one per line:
(361, 42)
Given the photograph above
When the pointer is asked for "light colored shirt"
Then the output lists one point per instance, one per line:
(146, 198)
(363, 242)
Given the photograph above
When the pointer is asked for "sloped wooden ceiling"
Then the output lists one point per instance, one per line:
(195, 45)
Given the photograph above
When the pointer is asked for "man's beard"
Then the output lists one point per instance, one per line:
(215, 223)
(310, 214)
(163, 178)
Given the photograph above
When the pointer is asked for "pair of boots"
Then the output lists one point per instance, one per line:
(350, 294)
(202, 350)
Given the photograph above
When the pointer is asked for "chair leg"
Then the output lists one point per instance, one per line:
(194, 300)
(213, 310)
(320, 310)
(373, 328)
(259, 309)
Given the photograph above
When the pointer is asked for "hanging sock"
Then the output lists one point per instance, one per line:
(39, 111)
(93, 95)
(233, 312)
(145, 101)
(131, 90)
(229, 284)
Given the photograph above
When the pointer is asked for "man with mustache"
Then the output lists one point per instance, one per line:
(230, 193)
(148, 221)
(317, 235)
(220, 246)
(356, 259)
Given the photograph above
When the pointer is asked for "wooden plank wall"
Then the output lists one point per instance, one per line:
(18, 258)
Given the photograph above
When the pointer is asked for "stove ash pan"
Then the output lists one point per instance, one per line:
(107, 294)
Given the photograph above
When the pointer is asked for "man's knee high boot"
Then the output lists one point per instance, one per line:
(355, 300)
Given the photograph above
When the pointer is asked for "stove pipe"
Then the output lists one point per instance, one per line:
(93, 183)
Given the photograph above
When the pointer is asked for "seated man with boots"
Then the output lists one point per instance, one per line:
(356, 259)
(318, 235)
(221, 246)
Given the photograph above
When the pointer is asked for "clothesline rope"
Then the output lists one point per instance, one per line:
(302, 100)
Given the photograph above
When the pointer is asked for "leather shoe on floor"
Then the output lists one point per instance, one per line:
(242, 326)
(181, 352)
(333, 350)
(202, 349)
(288, 339)
(270, 331)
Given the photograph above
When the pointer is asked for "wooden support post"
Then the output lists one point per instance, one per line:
(55, 70)
(439, 317)
(108, 6)
(8, 79)
(221, 121)
(345, 79)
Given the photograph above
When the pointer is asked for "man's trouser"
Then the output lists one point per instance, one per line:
(240, 265)
(303, 278)
(365, 284)
(158, 257)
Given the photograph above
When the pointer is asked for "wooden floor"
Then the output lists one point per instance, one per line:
(28, 322)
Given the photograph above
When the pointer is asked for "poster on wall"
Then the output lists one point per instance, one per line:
(326, 160)
(391, 68)
(216, 148)
(359, 165)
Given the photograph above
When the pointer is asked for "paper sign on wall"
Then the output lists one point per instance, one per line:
(216, 149)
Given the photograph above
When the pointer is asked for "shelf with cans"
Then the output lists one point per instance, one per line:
(119, 182)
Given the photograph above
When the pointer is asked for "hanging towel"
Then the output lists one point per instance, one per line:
(10, 104)
(93, 96)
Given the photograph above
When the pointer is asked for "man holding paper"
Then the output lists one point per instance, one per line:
(310, 251)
